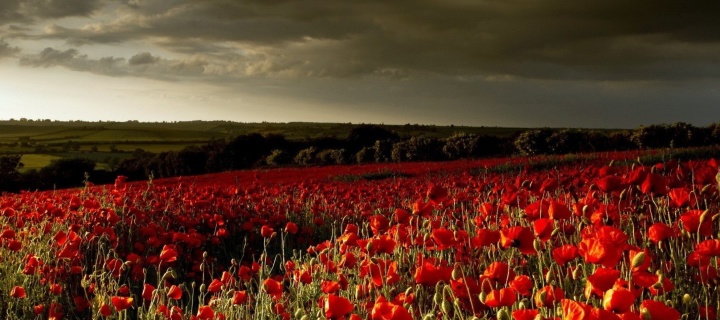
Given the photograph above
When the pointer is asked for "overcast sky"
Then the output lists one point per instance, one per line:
(527, 63)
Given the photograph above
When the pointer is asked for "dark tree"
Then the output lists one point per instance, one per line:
(66, 172)
(366, 135)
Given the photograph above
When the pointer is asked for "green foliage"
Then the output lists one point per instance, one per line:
(278, 158)
(306, 156)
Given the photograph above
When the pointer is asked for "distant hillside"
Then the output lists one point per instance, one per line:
(89, 133)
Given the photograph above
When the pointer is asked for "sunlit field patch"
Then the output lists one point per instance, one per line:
(588, 237)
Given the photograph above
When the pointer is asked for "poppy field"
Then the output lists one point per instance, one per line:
(599, 237)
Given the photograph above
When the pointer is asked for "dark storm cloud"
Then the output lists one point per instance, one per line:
(143, 58)
(140, 65)
(50, 57)
(32, 10)
(609, 40)
(6, 50)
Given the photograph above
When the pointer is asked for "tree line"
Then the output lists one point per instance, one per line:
(364, 144)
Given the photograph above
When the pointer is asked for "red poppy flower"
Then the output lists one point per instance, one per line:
(564, 254)
(443, 238)
(17, 292)
(56, 289)
(600, 281)
(654, 183)
(500, 298)
(573, 310)
(215, 286)
(708, 248)
(384, 310)
(525, 314)
(148, 291)
(329, 287)
(484, 238)
(679, 197)
(548, 296)
(437, 194)
(291, 228)
(691, 223)
(239, 297)
(121, 303)
(707, 312)
(596, 251)
(558, 211)
(105, 310)
(467, 290)
(522, 284)
(273, 288)
(518, 237)
(609, 183)
(659, 231)
(55, 312)
(379, 224)
(336, 307)
(174, 292)
(429, 274)
(205, 313)
(543, 228)
(383, 244)
(266, 231)
(500, 272)
(618, 300)
(168, 254)
(659, 311)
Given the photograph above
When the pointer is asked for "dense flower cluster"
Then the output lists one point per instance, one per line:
(442, 241)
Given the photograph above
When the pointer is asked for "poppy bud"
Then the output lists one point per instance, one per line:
(456, 273)
(586, 210)
(168, 274)
(705, 189)
(704, 216)
(503, 315)
(549, 276)
(408, 291)
(438, 298)
(577, 273)
(537, 244)
(638, 260)
(300, 313)
(205, 254)
(203, 288)
(555, 232)
(623, 194)
(369, 246)
(687, 299)
(446, 307)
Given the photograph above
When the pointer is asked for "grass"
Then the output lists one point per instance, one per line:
(36, 161)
